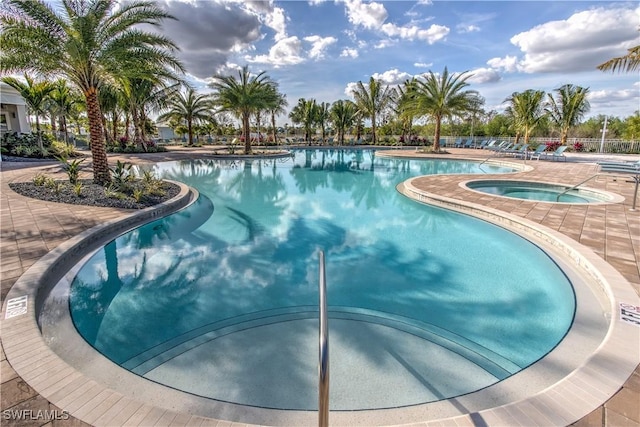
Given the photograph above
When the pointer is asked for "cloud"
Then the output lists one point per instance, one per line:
(276, 20)
(467, 28)
(368, 15)
(286, 51)
(392, 77)
(423, 64)
(613, 95)
(508, 63)
(412, 32)
(319, 45)
(578, 43)
(207, 32)
(484, 75)
(349, 53)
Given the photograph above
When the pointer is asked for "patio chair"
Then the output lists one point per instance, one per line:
(538, 152)
(625, 169)
(559, 153)
(468, 144)
(457, 144)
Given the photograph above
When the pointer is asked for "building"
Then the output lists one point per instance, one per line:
(13, 111)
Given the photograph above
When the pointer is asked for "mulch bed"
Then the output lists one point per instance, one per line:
(92, 195)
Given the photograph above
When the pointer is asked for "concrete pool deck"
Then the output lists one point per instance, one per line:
(31, 229)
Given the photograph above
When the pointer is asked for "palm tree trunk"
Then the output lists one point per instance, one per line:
(39, 133)
(275, 132)
(373, 128)
(247, 133)
(96, 138)
(563, 137)
(190, 131)
(436, 136)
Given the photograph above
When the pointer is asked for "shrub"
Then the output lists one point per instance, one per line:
(77, 189)
(39, 180)
(552, 146)
(578, 146)
(72, 168)
(121, 175)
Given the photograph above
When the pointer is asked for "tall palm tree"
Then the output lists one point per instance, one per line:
(627, 63)
(88, 42)
(441, 97)
(402, 107)
(243, 96)
(527, 110)
(111, 101)
(343, 116)
(323, 114)
(372, 100)
(305, 112)
(63, 100)
(276, 107)
(35, 95)
(568, 109)
(190, 109)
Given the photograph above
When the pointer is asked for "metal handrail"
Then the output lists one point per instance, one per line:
(574, 187)
(323, 366)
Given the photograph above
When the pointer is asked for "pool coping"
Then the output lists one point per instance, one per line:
(35, 362)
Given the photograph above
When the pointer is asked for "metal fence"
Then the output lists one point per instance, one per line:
(589, 145)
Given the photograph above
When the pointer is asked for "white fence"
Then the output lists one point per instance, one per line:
(591, 145)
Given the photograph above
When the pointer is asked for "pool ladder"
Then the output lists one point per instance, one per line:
(323, 363)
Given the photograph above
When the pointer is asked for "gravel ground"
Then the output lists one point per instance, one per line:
(92, 195)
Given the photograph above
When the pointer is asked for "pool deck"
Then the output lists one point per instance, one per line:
(31, 229)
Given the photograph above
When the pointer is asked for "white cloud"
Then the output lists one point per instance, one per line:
(351, 86)
(613, 95)
(580, 42)
(392, 77)
(423, 64)
(319, 45)
(484, 75)
(508, 63)
(286, 51)
(467, 28)
(382, 44)
(368, 15)
(412, 32)
(277, 21)
(349, 53)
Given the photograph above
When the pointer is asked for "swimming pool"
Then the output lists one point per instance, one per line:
(541, 191)
(219, 300)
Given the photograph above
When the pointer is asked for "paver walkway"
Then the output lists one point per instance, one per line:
(31, 228)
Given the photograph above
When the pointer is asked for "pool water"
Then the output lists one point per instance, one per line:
(538, 191)
(220, 299)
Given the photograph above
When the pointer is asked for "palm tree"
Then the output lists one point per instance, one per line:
(63, 101)
(243, 96)
(322, 117)
(276, 107)
(526, 110)
(305, 112)
(88, 42)
(627, 63)
(190, 109)
(35, 94)
(403, 108)
(568, 109)
(343, 116)
(372, 100)
(441, 97)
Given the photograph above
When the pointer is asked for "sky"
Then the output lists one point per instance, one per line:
(319, 49)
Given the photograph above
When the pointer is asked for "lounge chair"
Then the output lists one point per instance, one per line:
(538, 152)
(468, 144)
(521, 151)
(457, 144)
(624, 168)
(490, 144)
(559, 153)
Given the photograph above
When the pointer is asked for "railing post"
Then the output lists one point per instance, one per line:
(323, 366)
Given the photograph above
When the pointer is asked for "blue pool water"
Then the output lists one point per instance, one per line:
(220, 299)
